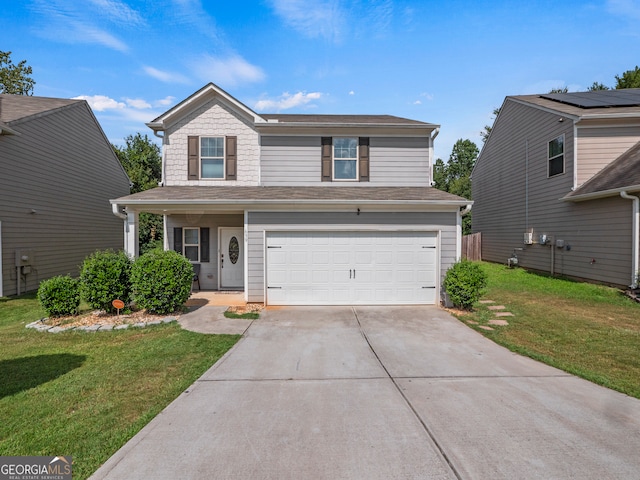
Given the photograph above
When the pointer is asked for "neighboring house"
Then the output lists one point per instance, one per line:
(57, 174)
(302, 209)
(557, 182)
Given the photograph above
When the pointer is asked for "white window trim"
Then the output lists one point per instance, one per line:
(224, 158)
(185, 244)
(551, 158)
(333, 161)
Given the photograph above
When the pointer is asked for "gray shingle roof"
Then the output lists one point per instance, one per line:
(622, 173)
(342, 119)
(283, 195)
(17, 107)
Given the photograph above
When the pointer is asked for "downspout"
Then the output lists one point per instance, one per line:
(432, 137)
(461, 213)
(635, 237)
(163, 157)
(115, 209)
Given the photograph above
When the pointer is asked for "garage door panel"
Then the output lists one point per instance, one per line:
(344, 268)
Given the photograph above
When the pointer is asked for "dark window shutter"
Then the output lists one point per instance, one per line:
(194, 157)
(204, 244)
(327, 159)
(363, 158)
(231, 157)
(177, 239)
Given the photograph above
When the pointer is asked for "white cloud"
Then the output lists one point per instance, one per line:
(417, 102)
(74, 22)
(163, 102)
(351, 92)
(164, 76)
(137, 103)
(287, 101)
(119, 12)
(100, 103)
(229, 71)
(313, 18)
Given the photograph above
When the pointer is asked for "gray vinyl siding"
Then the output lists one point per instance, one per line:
(599, 146)
(295, 161)
(598, 231)
(260, 222)
(62, 167)
(208, 270)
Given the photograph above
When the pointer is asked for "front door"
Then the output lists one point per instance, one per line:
(231, 257)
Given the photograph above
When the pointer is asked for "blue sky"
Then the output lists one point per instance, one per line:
(447, 62)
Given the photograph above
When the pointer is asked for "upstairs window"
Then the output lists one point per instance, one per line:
(345, 158)
(212, 157)
(556, 156)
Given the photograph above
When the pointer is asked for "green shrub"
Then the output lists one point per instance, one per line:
(464, 283)
(59, 296)
(161, 281)
(105, 276)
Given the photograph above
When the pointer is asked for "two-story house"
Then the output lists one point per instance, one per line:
(57, 174)
(557, 183)
(302, 209)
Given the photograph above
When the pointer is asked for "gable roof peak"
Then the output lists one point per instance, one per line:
(199, 98)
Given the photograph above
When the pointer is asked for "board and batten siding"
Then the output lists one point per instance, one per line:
(62, 168)
(295, 161)
(261, 222)
(212, 119)
(598, 146)
(513, 194)
(208, 270)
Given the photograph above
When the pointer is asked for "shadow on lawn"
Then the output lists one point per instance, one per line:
(19, 374)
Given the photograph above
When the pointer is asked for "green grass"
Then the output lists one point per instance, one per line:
(85, 394)
(247, 315)
(592, 331)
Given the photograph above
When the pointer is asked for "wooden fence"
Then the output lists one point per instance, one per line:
(472, 246)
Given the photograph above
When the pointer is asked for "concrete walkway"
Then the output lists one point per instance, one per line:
(382, 393)
(206, 313)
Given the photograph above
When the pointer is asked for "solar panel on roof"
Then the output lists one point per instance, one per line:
(629, 97)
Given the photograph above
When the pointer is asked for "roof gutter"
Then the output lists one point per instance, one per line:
(635, 247)
(600, 194)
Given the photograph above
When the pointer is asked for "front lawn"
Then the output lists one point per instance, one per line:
(86, 393)
(589, 330)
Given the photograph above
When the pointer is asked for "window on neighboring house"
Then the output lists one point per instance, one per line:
(212, 157)
(191, 244)
(345, 158)
(556, 156)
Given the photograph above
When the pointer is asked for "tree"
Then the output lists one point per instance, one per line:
(487, 128)
(559, 90)
(142, 161)
(629, 79)
(597, 86)
(15, 79)
(455, 176)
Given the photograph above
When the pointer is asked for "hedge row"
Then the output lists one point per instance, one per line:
(158, 281)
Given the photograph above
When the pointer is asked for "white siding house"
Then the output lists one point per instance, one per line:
(302, 209)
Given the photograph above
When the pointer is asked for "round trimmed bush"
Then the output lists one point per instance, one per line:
(161, 281)
(59, 296)
(465, 282)
(105, 276)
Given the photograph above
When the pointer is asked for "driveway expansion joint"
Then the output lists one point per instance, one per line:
(426, 428)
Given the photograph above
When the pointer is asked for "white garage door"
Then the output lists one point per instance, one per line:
(351, 268)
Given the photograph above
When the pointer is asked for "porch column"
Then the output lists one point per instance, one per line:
(131, 234)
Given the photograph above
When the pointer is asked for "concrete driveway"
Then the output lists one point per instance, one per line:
(382, 393)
